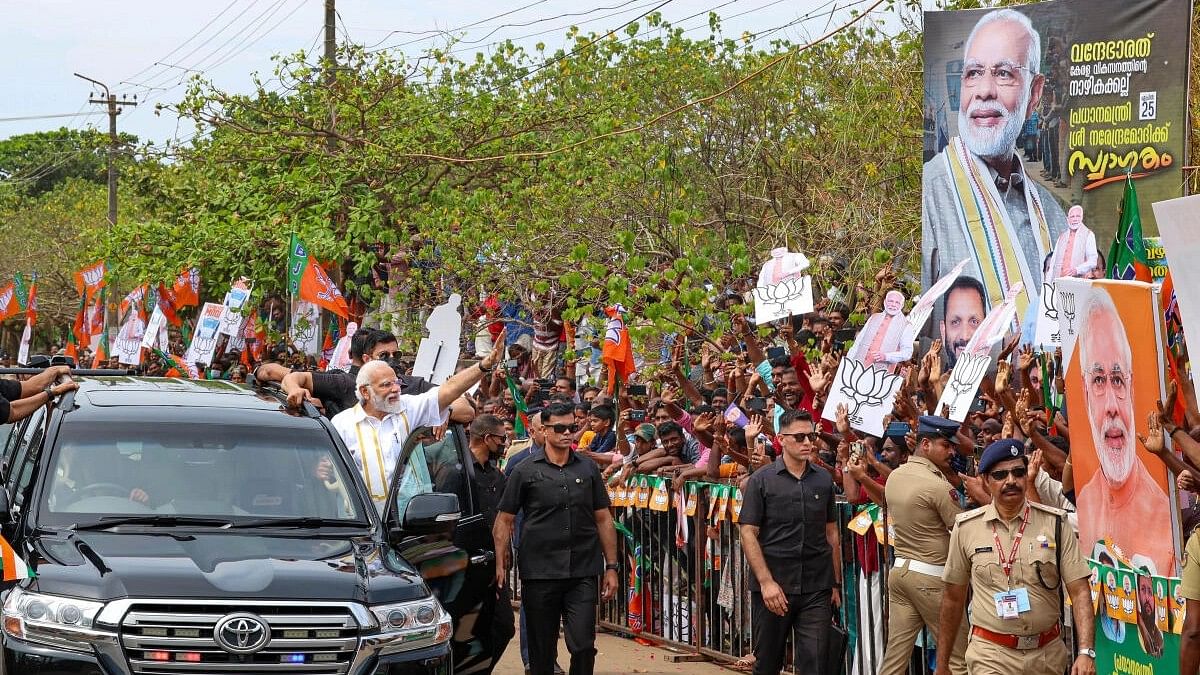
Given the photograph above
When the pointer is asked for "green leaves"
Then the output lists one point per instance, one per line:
(555, 196)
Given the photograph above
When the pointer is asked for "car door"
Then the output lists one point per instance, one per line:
(458, 568)
(21, 454)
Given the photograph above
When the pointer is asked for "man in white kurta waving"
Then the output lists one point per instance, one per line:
(375, 430)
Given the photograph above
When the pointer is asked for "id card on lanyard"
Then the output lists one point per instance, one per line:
(1010, 603)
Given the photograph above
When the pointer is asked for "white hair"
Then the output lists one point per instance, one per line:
(1101, 303)
(1033, 58)
(364, 376)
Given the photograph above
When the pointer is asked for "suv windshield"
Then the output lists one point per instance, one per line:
(207, 470)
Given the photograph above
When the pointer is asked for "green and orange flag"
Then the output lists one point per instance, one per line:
(308, 281)
(521, 424)
(22, 290)
(1127, 257)
(101, 355)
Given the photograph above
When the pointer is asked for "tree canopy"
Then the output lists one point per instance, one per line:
(646, 166)
(640, 167)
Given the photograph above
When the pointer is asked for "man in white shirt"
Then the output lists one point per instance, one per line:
(375, 430)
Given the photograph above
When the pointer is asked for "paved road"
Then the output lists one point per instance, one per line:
(617, 656)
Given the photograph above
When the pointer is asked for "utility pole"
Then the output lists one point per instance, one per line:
(331, 66)
(115, 106)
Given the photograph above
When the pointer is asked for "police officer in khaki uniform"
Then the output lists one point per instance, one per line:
(1015, 555)
(923, 506)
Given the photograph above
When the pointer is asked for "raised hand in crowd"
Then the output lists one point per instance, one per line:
(1154, 440)
(1007, 350)
(1020, 416)
(975, 490)
(1159, 427)
(754, 427)
(1035, 466)
(1003, 380)
(905, 408)
(842, 422)
(818, 377)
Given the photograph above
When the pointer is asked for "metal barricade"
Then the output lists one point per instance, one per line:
(685, 583)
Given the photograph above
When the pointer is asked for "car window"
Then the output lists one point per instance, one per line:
(103, 468)
(432, 466)
(5, 436)
(11, 440)
(25, 457)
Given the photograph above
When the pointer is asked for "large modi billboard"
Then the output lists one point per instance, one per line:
(1128, 522)
(1028, 112)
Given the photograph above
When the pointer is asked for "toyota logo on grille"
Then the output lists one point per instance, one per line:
(241, 633)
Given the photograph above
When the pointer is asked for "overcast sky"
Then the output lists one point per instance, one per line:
(120, 43)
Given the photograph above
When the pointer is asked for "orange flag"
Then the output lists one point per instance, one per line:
(308, 281)
(617, 353)
(9, 306)
(187, 288)
(91, 279)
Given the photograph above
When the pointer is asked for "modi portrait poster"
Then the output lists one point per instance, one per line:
(1127, 522)
(1032, 110)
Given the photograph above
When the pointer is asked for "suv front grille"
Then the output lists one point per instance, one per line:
(163, 639)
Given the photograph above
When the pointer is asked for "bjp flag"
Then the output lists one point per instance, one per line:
(308, 281)
(31, 306)
(617, 353)
(187, 288)
(9, 306)
(134, 300)
(91, 279)
(1127, 257)
(101, 355)
(169, 304)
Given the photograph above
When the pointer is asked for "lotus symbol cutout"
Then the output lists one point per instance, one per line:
(864, 385)
(129, 339)
(203, 345)
(1048, 307)
(781, 293)
(966, 375)
(1066, 304)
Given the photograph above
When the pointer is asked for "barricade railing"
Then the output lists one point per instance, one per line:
(685, 583)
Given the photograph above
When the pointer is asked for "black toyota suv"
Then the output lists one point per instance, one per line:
(179, 526)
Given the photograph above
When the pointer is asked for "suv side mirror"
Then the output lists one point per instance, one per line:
(430, 513)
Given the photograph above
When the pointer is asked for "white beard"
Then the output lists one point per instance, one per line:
(1116, 469)
(998, 142)
(381, 403)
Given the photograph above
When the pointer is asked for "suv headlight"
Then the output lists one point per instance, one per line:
(417, 620)
(50, 619)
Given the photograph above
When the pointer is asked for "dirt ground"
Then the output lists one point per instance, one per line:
(617, 656)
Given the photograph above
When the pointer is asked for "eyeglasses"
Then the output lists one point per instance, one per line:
(1003, 74)
(1100, 382)
(387, 384)
(386, 356)
(811, 437)
(1001, 474)
(563, 428)
(500, 437)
